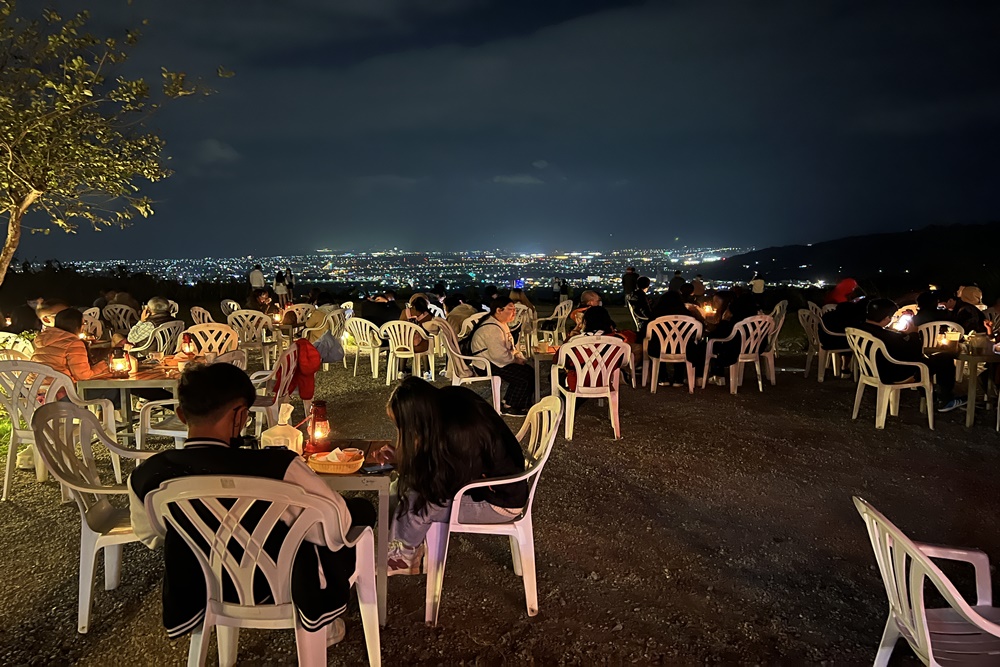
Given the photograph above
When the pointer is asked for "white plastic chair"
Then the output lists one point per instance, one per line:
(302, 311)
(524, 321)
(866, 350)
(674, 333)
(237, 358)
(93, 327)
(58, 429)
(813, 324)
(227, 500)
(815, 309)
(174, 307)
(24, 387)
(929, 334)
(12, 355)
(557, 334)
(120, 317)
(436, 311)
(402, 336)
(827, 308)
(460, 367)
(163, 339)
(253, 327)
(276, 385)
(367, 338)
(959, 634)
(94, 312)
(229, 307)
(217, 338)
(334, 323)
(752, 333)
(469, 322)
(9, 341)
(201, 316)
(908, 309)
(597, 361)
(778, 315)
(537, 435)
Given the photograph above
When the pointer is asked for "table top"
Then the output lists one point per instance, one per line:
(979, 356)
(146, 377)
(369, 447)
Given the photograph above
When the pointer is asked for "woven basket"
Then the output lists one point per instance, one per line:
(335, 467)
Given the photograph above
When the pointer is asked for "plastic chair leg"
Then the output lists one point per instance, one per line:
(735, 371)
(821, 363)
(375, 357)
(613, 409)
(229, 644)
(760, 377)
(881, 406)
(809, 359)
(654, 376)
(390, 368)
(88, 564)
(690, 372)
(198, 652)
(357, 354)
(496, 392)
(570, 415)
(41, 472)
(526, 546)
(857, 399)
(116, 465)
(437, 555)
(368, 598)
(888, 643)
(894, 402)
(515, 555)
(11, 461)
(929, 393)
(112, 566)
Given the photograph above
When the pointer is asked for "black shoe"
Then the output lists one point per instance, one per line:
(509, 411)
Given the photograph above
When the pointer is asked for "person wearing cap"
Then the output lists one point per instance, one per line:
(965, 310)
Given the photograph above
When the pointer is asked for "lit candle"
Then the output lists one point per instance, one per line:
(83, 336)
(9, 321)
(277, 318)
(119, 365)
(942, 340)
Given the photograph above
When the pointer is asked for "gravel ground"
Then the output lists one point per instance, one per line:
(718, 530)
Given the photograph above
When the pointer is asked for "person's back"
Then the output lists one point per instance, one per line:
(697, 287)
(457, 315)
(757, 285)
(257, 279)
(126, 299)
(675, 283)
(629, 279)
(836, 321)
(59, 347)
(380, 312)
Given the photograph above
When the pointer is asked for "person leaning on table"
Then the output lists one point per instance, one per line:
(214, 402)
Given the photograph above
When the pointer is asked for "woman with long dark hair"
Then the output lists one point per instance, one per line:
(445, 439)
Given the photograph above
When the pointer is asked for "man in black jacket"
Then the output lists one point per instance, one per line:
(214, 403)
(906, 346)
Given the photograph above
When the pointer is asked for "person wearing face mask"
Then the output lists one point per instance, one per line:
(214, 403)
(492, 340)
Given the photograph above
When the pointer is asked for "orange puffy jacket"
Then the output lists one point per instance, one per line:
(66, 353)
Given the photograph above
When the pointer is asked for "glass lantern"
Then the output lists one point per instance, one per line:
(318, 429)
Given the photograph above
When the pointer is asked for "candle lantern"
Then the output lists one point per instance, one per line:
(188, 346)
(119, 362)
(8, 321)
(318, 429)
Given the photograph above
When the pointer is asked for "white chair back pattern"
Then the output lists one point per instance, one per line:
(469, 322)
(9, 341)
(753, 333)
(537, 435)
(280, 381)
(597, 361)
(250, 325)
(201, 316)
(402, 337)
(217, 338)
(120, 316)
(333, 323)
(815, 309)
(12, 355)
(827, 308)
(237, 358)
(956, 636)
(436, 311)
(867, 349)
(347, 306)
(94, 312)
(163, 339)
(93, 327)
(778, 315)
(909, 309)
(930, 332)
(229, 307)
(674, 334)
(174, 307)
(302, 311)
(366, 338)
(559, 315)
(207, 512)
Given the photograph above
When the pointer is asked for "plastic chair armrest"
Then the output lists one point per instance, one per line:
(493, 481)
(260, 377)
(978, 559)
(112, 490)
(356, 534)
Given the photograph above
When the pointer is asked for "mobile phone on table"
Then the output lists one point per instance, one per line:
(376, 468)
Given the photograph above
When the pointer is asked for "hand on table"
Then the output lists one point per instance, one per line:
(385, 454)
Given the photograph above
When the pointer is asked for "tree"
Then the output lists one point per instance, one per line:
(73, 135)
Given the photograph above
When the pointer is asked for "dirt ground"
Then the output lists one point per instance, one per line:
(718, 530)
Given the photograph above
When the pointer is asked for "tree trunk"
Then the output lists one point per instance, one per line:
(14, 232)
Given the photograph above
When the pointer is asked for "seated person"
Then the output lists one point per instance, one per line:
(493, 341)
(125, 299)
(330, 347)
(927, 310)
(740, 308)
(597, 322)
(587, 299)
(24, 317)
(379, 309)
(47, 309)
(418, 313)
(906, 346)
(104, 297)
(260, 300)
(445, 439)
(671, 303)
(456, 312)
(640, 304)
(964, 310)
(214, 402)
(517, 295)
(836, 321)
(155, 313)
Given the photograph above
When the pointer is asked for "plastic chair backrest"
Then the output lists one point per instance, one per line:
(280, 381)
(166, 335)
(866, 348)
(929, 332)
(58, 428)
(174, 307)
(94, 312)
(815, 308)
(334, 322)
(9, 341)
(778, 315)
(120, 316)
(26, 385)
(229, 307)
(827, 308)
(674, 332)
(436, 311)
(904, 570)
(364, 332)
(12, 355)
(218, 338)
(93, 327)
(810, 324)
(753, 332)
(228, 548)
(347, 305)
(537, 435)
(400, 335)
(201, 316)
(561, 312)
(522, 318)
(302, 311)
(237, 358)
(596, 359)
(469, 322)
(250, 324)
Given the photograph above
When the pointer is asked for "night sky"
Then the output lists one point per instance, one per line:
(542, 124)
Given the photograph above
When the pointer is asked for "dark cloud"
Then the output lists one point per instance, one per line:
(717, 122)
